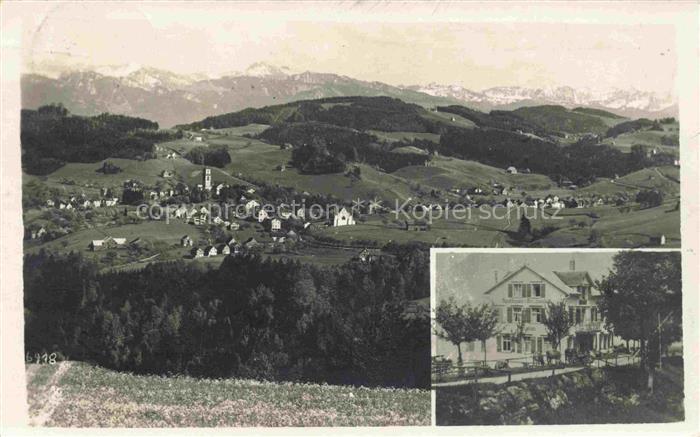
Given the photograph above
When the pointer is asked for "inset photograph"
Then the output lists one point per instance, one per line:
(552, 337)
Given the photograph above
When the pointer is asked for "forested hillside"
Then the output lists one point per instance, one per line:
(268, 319)
(326, 134)
(51, 136)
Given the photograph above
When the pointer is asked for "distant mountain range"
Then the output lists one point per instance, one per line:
(171, 98)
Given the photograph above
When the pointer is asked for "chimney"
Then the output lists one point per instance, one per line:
(495, 276)
(572, 265)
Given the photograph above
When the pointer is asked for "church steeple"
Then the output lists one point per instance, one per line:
(206, 179)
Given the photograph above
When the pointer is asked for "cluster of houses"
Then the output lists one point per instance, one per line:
(81, 202)
(230, 247)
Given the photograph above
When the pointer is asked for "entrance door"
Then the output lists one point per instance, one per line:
(584, 342)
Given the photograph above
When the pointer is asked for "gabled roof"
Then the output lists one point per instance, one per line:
(552, 280)
(574, 278)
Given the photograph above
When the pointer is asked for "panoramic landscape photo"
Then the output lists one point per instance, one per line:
(229, 223)
(558, 338)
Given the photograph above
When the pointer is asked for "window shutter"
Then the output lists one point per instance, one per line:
(510, 314)
(498, 343)
(510, 290)
(526, 315)
(528, 291)
(542, 287)
(519, 346)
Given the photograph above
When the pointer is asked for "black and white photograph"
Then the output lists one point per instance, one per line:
(523, 338)
(226, 214)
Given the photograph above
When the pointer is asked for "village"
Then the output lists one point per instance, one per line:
(226, 210)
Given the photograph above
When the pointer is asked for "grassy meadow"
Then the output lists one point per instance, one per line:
(75, 394)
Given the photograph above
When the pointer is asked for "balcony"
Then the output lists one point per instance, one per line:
(588, 327)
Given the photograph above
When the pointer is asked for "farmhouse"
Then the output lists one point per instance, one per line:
(250, 243)
(512, 170)
(197, 252)
(186, 241)
(107, 243)
(520, 300)
(368, 255)
(223, 249)
(34, 232)
(417, 225)
(343, 218)
(261, 215)
(166, 174)
(251, 206)
(210, 251)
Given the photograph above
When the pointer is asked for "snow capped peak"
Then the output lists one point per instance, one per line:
(629, 99)
(150, 78)
(117, 70)
(262, 69)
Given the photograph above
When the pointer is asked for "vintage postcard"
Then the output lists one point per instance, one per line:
(416, 215)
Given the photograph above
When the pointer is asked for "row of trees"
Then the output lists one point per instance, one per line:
(214, 156)
(251, 317)
(467, 323)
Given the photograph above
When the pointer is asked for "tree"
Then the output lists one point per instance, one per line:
(453, 324)
(642, 301)
(483, 321)
(525, 229)
(557, 322)
(650, 198)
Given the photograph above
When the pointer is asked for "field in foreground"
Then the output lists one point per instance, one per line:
(74, 394)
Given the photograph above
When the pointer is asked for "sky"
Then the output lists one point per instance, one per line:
(466, 276)
(375, 42)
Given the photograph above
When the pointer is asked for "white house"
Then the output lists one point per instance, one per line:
(343, 218)
(521, 298)
(512, 170)
(108, 242)
(275, 224)
(262, 215)
(251, 206)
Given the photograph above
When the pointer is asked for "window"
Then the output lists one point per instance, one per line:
(536, 315)
(518, 290)
(594, 314)
(537, 290)
(506, 343)
(517, 314)
(527, 340)
(579, 315)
